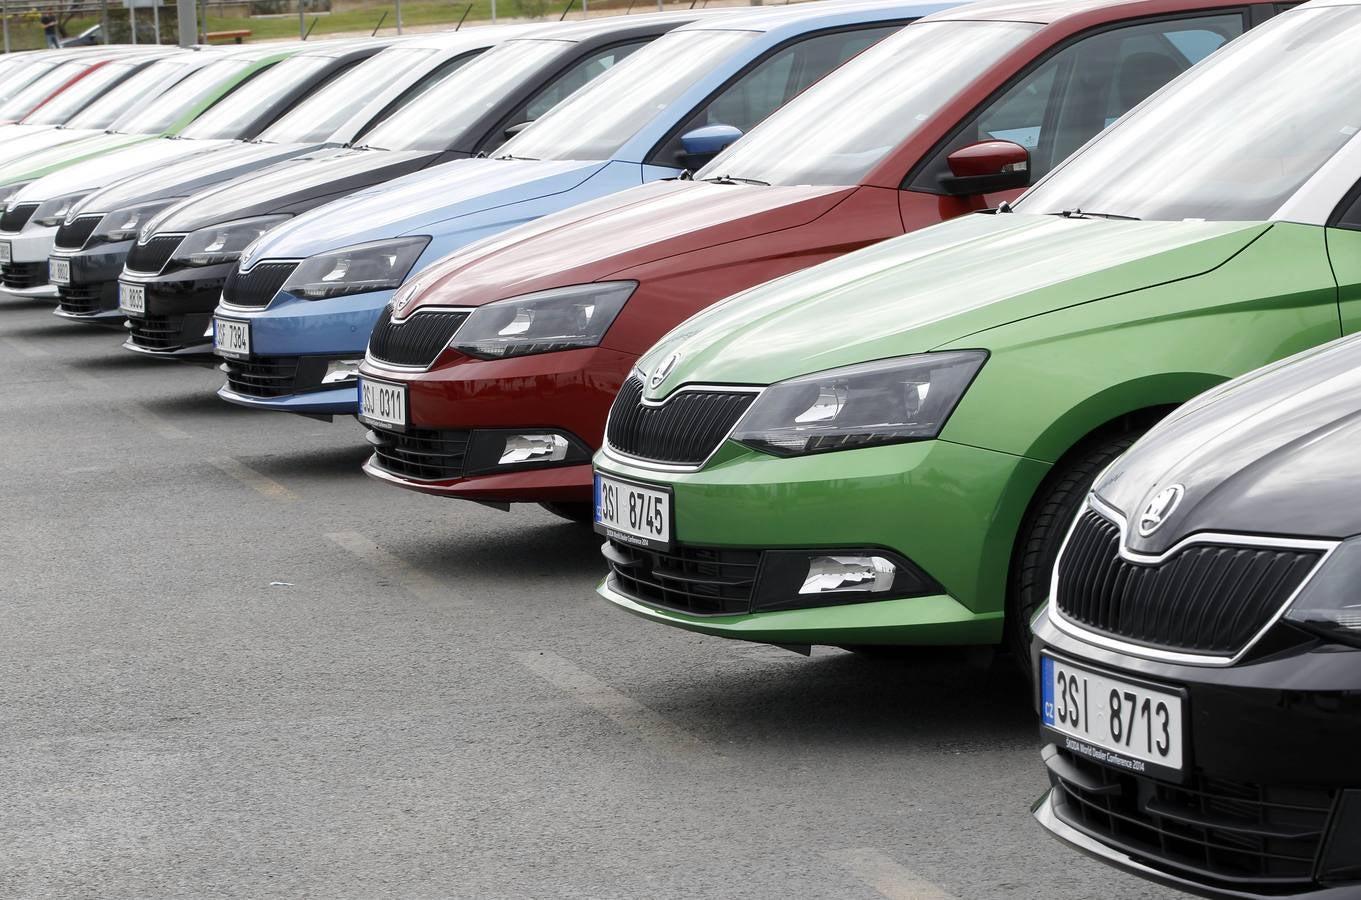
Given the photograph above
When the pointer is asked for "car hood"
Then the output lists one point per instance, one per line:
(1272, 452)
(632, 228)
(929, 288)
(419, 203)
(182, 176)
(289, 186)
(97, 162)
(18, 142)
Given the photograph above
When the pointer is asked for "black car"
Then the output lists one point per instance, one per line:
(319, 98)
(1200, 658)
(470, 113)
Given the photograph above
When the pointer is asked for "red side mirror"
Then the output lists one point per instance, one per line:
(986, 167)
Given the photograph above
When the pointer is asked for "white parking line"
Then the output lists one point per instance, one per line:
(152, 422)
(396, 569)
(252, 479)
(616, 706)
(24, 348)
(883, 873)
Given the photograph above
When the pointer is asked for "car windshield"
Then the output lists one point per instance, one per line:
(79, 95)
(317, 118)
(180, 99)
(1234, 138)
(595, 122)
(134, 92)
(870, 105)
(238, 114)
(31, 96)
(438, 118)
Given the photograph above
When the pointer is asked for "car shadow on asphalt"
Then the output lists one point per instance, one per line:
(931, 698)
(343, 460)
(59, 328)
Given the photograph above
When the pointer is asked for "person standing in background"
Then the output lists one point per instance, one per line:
(49, 23)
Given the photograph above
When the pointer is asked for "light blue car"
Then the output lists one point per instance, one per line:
(296, 315)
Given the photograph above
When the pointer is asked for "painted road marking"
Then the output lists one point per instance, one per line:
(24, 348)
(252, 479)
(395, 569)
(615, 705)
(152, 422)
(883, 873)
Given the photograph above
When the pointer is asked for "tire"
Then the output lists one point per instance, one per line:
(581, 513)
(1042, 532)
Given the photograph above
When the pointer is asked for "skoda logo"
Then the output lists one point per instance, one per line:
(1159, 508)
(403, 297)
(659, 374)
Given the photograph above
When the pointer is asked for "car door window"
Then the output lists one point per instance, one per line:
(576, 76)
(1059, 105)
(769, 84)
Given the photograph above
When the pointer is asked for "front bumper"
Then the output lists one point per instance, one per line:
(1271, 805)
(179, 310)
(460, 399)
(92, 293)
(297, 338)
(950, 510)
(26, 273)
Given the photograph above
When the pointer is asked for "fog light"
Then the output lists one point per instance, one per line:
(341, 370)
(523, 448)
(838, 574)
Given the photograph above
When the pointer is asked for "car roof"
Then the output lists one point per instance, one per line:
(1047, 12)
(477, 36)
(777, 17)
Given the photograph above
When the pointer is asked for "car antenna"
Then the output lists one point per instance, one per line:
(566, 9)
(381, 19)
(466, 10)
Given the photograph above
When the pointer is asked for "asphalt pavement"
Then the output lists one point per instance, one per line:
(233, 665)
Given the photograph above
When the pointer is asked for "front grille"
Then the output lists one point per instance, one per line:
(415, 341)
(1210, 828)
(156, 332)
(683, 431)
(18, 276)
(152, 256)
(258, 286)
(81, 299)
(16, 217)
(266, 377)
(1206, 598)
(701, 581)
(420, 454)
(73, 235)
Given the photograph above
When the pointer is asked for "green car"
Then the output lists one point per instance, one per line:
(167, 116)
(887, 449)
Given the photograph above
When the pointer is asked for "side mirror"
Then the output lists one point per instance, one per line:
(986, 167)
(516, 129)
(703, 144)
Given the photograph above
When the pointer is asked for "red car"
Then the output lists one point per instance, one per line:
(490, 375)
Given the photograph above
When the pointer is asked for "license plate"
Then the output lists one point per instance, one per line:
(632, 513)
(132, 298)
(1127, 724)
(382, 402)
(5, 255)
(231, 338)
(59, 271)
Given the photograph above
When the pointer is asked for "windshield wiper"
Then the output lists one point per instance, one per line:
(521, 158)
(734, 179)
(1076, 213)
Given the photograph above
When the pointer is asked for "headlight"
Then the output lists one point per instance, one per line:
(53, 212)
(124, 224)
(8, 191)
(545, 322)
(1330, 603)
(222, 243)
(376, 266)
(891, 401)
